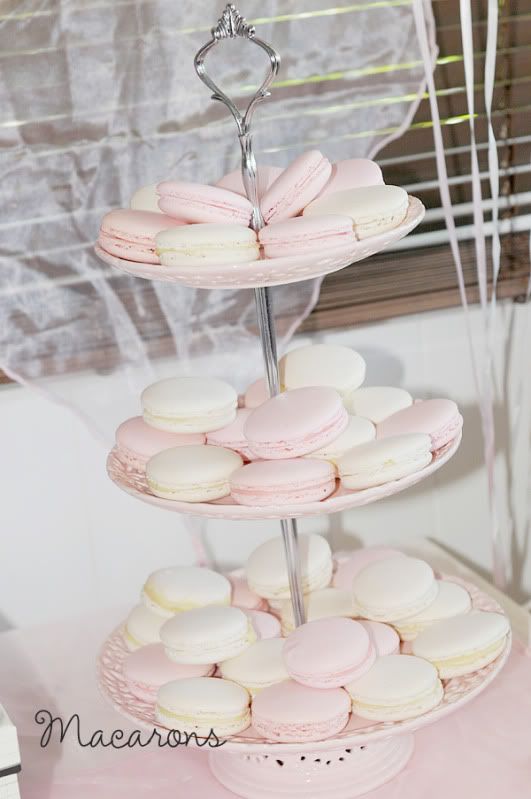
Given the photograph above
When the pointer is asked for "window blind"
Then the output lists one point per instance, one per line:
(419, 274)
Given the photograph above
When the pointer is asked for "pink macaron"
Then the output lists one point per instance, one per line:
(265, 624)
(306, 234)
(353, 173)
(296, 187)
(195, 202)
(232, 437)
(328, 653)
(137, 442)
(283, 482)
(291, 712)
(385, 639)
(256, 394)
(242, 596)
(439, 418)
(131, 234)
(147, 669)
(348, 568)
(265, 176)
(295, 422)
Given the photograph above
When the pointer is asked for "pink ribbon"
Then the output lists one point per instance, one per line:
(481, 363)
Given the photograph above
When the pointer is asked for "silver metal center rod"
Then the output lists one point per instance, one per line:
(266, 324)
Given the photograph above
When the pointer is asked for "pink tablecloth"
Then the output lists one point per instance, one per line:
(482, 751)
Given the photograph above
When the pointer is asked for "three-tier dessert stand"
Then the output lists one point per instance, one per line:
(364, 755)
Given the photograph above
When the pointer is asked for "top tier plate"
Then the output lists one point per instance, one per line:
(271, 271)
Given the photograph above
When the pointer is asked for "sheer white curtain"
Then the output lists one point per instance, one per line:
(100, 98)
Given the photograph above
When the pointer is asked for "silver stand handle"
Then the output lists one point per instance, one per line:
(232, 25)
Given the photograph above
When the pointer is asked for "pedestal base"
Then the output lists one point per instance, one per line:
(340, 772)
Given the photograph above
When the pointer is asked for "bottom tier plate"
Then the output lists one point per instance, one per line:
(457, 692)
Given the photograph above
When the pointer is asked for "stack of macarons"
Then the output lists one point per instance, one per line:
(312, 204)
(383, 634)
(197, 441)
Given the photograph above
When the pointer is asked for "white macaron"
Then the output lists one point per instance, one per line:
(394, 588)
(189, 404)
(463, 644)
(267, 572)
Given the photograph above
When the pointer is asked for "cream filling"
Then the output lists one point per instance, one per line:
(383, 612)
(199, 251)
(206, 720)
(412, 706)
(470, 658)
(385, 466)
(214, 488)
(194, 417)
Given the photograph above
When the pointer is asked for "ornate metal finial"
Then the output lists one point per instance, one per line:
(231, 24)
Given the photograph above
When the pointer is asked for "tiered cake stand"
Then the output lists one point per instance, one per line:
(365, 755)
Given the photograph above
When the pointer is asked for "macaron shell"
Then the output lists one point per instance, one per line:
(261, 665)
(321, 604)
(242, 595)
(385, 639)
(397, 687)
(207, 635)
(378, 402)
(353, 173)
(358, 431)
(175, 589)
(265, 624)
(189, 404)
(282, 482)
(452, 600)
(292, 712)
(265, 176)
(130, 234)
(146, 199)
(382, 590)
(295, 423)
(463, 644)
(267, 572)
(373, 209)
(328, 653)
(193, 473)
(350, 566)
(256, 394)
(207, 243)
(341, 368)
(303, 235)
(232, 436)
(146, 669)
(438, 418)
(137, 441)
(297, 186)
(202, 704)
(381, 461)
(142, 627)
(194, 202)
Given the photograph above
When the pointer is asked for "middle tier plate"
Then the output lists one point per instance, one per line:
(271, 271)
(342, 499)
